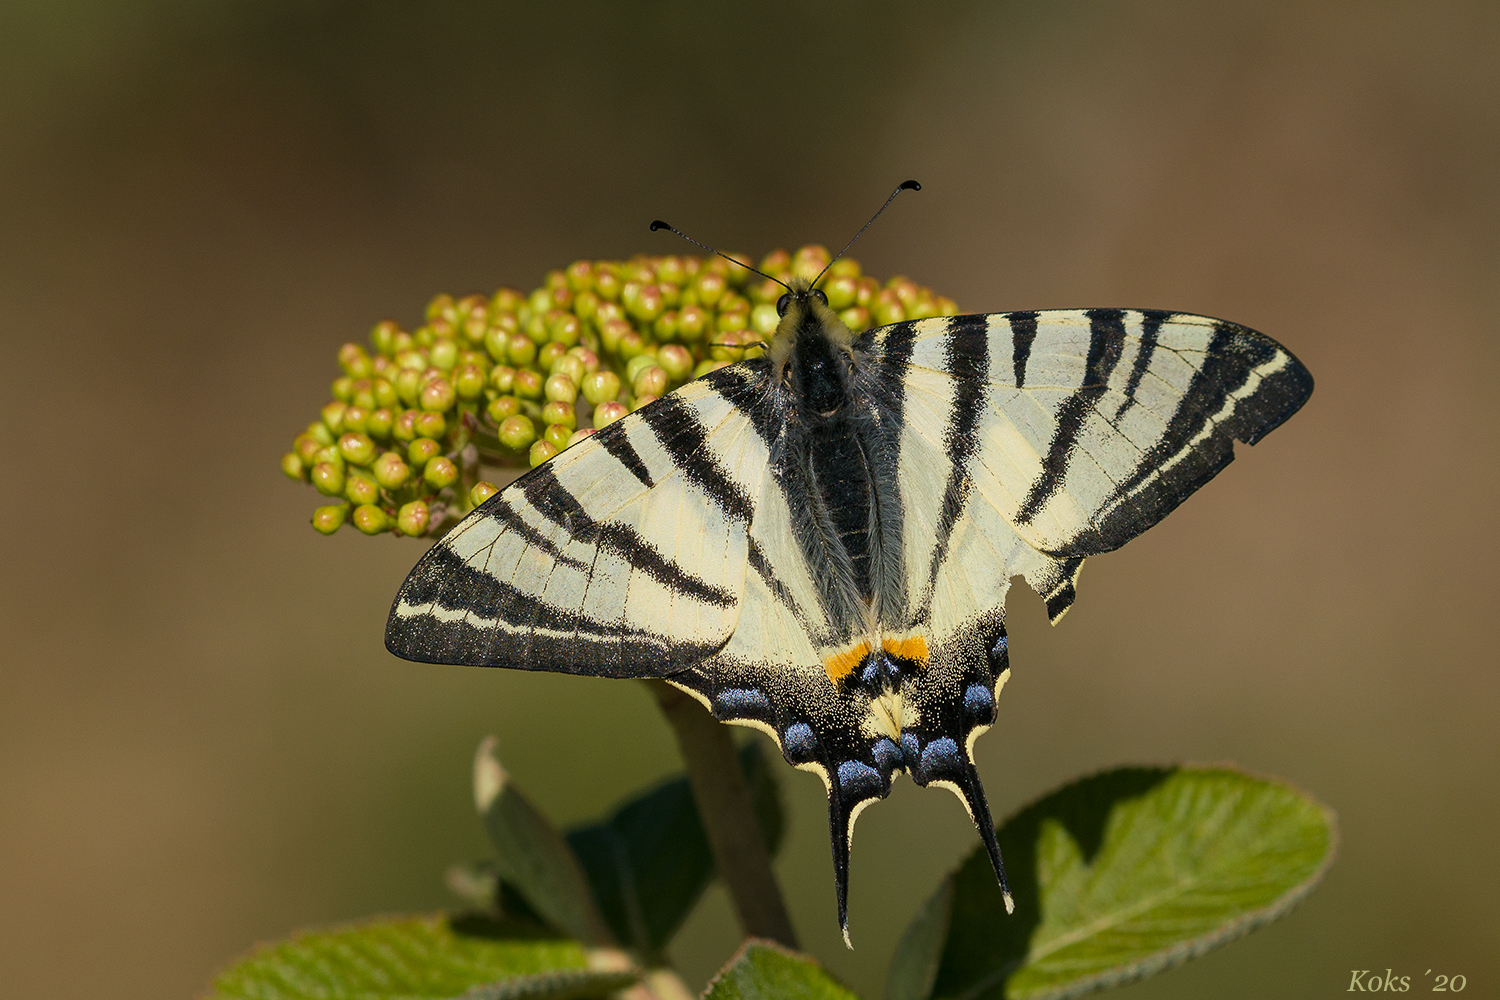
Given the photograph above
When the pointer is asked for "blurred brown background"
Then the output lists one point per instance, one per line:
(202, 741)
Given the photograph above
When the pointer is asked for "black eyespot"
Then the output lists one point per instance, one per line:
(782, 303)
(821, 297)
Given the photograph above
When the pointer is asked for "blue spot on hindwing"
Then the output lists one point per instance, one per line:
(941, 760)
(910, 748)
(741, 703)
(858, 780)
(799, 743)
(979, 705)
(887, 755)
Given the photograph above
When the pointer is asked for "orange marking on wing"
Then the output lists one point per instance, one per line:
(913, 647)
(840, 665)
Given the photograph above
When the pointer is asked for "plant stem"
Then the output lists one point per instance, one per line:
(723, 799)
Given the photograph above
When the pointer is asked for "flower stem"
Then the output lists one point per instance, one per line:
(723, 797)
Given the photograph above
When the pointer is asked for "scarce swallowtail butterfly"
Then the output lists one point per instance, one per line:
(818, 542)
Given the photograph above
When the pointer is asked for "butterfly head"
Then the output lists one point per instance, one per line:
(807, 325)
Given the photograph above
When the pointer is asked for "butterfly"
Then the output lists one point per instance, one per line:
(818, 542)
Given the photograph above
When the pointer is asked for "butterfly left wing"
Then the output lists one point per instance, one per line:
(624, 556)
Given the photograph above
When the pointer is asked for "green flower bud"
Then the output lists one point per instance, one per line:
(608, 412)
(585, 305)
(548, 355)
(844, 267)
(342, 388)
(528, 384)
(652, 381)
(639, 363)
(438, 305)
(391, 472)
(704, 367)
(331, 455)
(438, 395)
(357, 449)
(443, 355)
(637, 402)
(540, 452)
(777, 262)
(601, 386)
(665, 327)
(521, 350)
(361, 489)
(671, 295)
(380, 423)
(691, 322)
(468, 381)
(676, 360)
(646, 305)
(586, 357)
(540, 300)
(560, 388)
(384, 393)
(866, 289)
(735, 320)
(354, 361)
(412, 518)
(430, 424)
(371, 520)
(482, 491)
(318, 431)
(729, 346)
(329, 519)
(402, 341)
(306, 447)
(333, 416)
(421, 451)
(562, 298)
(632, 344)
(502, 407)
(808, 262)
(765, 292)
(606, 312)
(354, 419)
(405, 428)
(670, 269)
(764, 320)
(383, 334)
(328, 479)
(887, 308)
(535, 328)
(612, 332)
(922, 308)
(907, 291)
(502, 379)
(946, 306)
(506, 300)
(580, 275)
(565, 329)
(361, 394)
(440, 472)
(607, 284)
(856, 318)
(557, 435)
(291, 464)
(559, 411)
(517, 432)
(579, 435)
(496, 341)
(710, 288)
(841, 292)
(409, 385)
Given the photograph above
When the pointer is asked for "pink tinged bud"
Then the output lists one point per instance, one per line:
(379, 424)
(469, 381)
(601, 386)
(570, 366)
(540, 452)
(560, 388)
(357, 449)
(440, 472)
(354, 361)
(586, 357)
(652, 381)
(405, 427)
(517, 432)
(676, 361)
(607, 413)
(557, 435)
(482, 491)
(528, 384)
(329, 519)
(371, 519)
(412, 518)
(291, 464)
(391, 472)
(343, 388)
(432, 425)
(560, 412)
(502, 407)
(333, 416)
(502, 379)
(520, 350)
(354, 419)
(328, 479)
(306, 447)
(421, 451)
(438, 395)
(361, 489)
(611, 332)
(640, 401)
(579, 435)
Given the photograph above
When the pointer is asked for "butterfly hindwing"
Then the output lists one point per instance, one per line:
(625, 556)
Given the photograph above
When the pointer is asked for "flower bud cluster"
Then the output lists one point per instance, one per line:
(511, 379)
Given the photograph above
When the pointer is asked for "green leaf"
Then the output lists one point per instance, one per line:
(1117, 877)
(416, 957)
(763, 970)
(531, 856)
(649, 862)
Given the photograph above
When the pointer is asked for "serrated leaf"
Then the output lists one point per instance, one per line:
(1116, 877)
(764, 970)
(420, 957)
(650, 861)
(531, 856)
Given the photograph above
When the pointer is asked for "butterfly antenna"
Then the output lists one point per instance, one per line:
(903, 186)
(658, 224)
